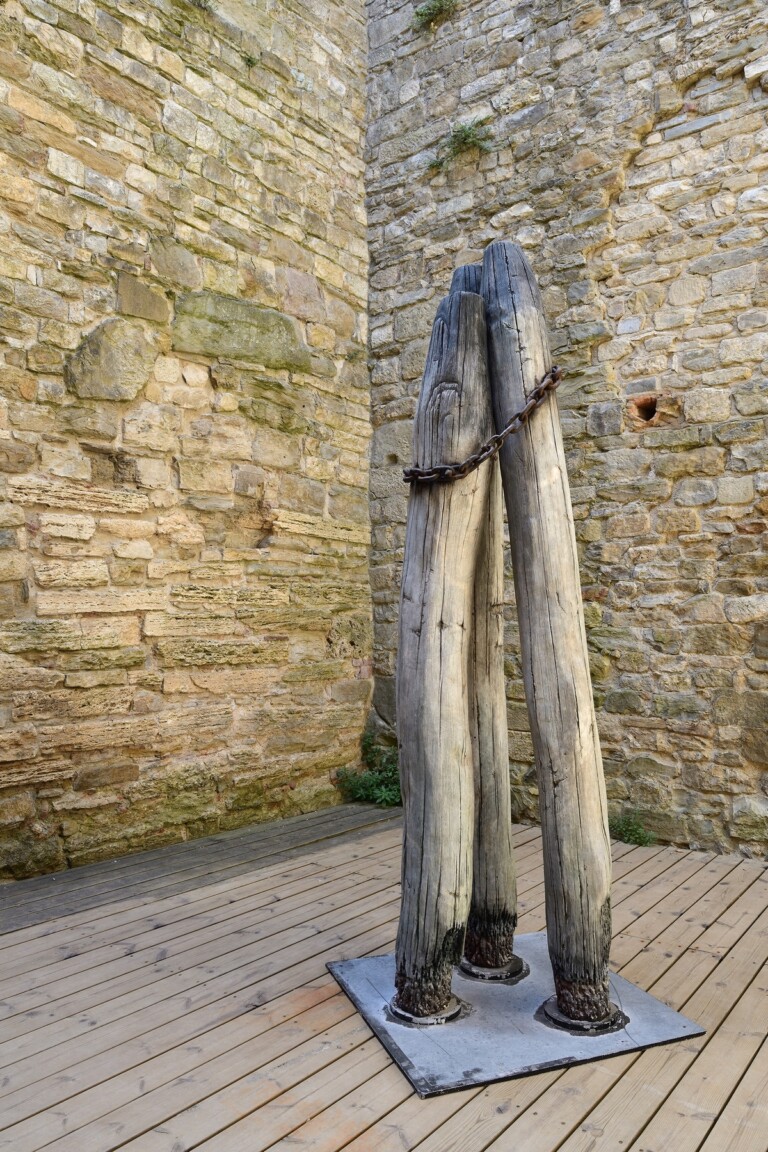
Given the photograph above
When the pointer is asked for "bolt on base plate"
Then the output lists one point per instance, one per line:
(610, 1023)
(511, 973)
(450, 1012)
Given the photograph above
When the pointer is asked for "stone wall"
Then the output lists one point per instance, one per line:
(629, 156)
(184, 429)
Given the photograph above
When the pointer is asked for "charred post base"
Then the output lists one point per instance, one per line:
(489, 942)
(584, 1002)
(426, 991)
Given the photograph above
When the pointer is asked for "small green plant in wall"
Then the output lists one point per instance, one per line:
(629, 830)
(249, 61)
(432, 13)
(203, 5)
(379, 783)
(473, 136)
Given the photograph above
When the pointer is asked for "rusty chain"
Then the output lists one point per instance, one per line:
(445, 473)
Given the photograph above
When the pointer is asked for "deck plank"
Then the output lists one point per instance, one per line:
(55, 1057)
(743, 1123)
(190, 1007)
(73, 896)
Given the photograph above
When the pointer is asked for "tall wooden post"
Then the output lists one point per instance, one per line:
(445, 524)
(577, 858)
(489, 943)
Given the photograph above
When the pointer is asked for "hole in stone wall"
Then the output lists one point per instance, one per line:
(645, 408)
(392, 458)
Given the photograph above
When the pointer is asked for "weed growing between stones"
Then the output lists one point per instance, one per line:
(203, 5)
(629, 830)
(250, 61)
(474, 136)
(432, 13)
(379, 783)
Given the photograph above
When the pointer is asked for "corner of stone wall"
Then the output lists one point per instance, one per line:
(185, 619)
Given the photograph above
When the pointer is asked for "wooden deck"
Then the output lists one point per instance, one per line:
(179, 999)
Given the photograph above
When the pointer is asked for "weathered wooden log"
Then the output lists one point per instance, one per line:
(577, 859)
(445, 524)
(489, 943)
(467, 278)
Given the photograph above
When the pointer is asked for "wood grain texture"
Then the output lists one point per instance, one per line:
(489, 941)
(444, 530)
(553, 642)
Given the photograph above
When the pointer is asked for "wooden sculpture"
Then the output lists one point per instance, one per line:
(487, 358)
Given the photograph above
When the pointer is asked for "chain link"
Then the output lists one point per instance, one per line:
(445, 473)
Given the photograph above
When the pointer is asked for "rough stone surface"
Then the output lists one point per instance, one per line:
(114, 361)
(185, 625)
(629, 157)
(185, 633)
(238, 329)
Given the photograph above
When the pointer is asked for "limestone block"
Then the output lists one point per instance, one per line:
(92, 423)
(240, 681)
(17, 673)
(716, 640)
(66, 635)
(162, 733)
(220, 436)
(15, 810)
(695, 462)
(103, 775)
(195, 375)
(754, 199)
(301, 294)
(744, 348)
(69, 704)
(16, 456)
(13, 566)
(153, 426)
(134, 550)
(179, 122)
(736, 490)
(746, 609)
(732, 280)
(71, 574)
(104, 601)
(152, 473)
(205, 476)
(749, 709)
(135, 298)
(750, 818)
(274, 449)
(66, 460)
(66, 167)
(96, 679)
(131, 529)
(59, 494)
(703, 405)
(180, 396)
(18, 743)
(113, 362)
(10, 516)
(198, 653)
(605, 419)
(180, 528)
(216, 325)
(687, 290)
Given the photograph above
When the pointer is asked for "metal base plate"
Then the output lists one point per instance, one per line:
(501, 1031)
